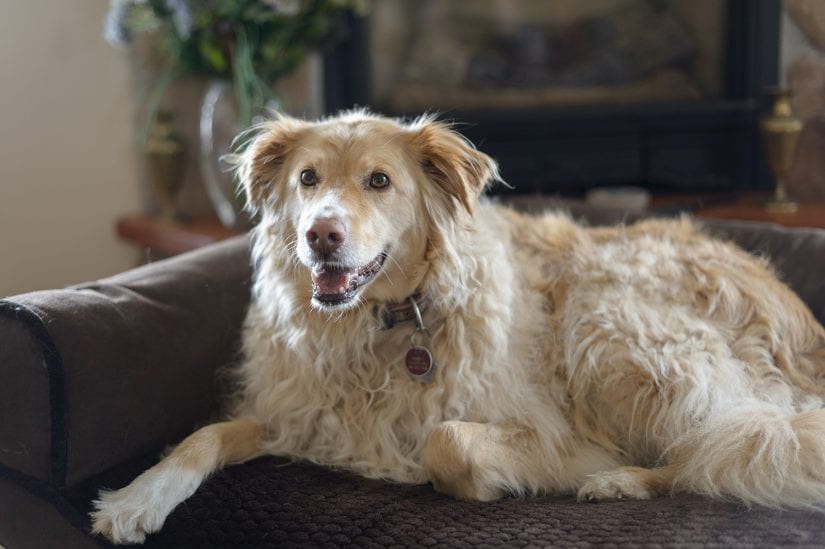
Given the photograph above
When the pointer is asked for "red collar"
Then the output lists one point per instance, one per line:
(401, 311)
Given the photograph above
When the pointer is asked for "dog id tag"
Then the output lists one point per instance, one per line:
(418, 360)
(419, 363)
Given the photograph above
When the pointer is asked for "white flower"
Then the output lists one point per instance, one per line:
(124, 17)
(115, 29)
(284, 7)
(181, 16)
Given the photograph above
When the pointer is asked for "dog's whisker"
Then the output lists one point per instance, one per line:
(387, 273)
(388, 278)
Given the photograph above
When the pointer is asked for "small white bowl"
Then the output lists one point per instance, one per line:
(632, 199)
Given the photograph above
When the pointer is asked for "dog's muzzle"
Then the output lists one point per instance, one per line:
(334, 285)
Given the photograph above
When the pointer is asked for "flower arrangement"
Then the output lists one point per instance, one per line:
(251, 42)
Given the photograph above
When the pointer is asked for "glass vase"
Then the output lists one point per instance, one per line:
(300, 92)
(219, 125)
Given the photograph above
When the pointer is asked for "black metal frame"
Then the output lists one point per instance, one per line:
(696, 146)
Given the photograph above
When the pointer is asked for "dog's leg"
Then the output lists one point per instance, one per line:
(128, 514)
(482, 461)
(627, 483)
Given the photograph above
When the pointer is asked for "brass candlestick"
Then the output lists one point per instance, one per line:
(780, 135)
(165, 153)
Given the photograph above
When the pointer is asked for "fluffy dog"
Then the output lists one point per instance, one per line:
(403, 329)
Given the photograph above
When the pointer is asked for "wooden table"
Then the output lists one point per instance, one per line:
(745, 206)
(163, 238)
(170, 239)
(811, 213)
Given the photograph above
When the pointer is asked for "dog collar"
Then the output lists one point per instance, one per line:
(401, 311)
(419, 359)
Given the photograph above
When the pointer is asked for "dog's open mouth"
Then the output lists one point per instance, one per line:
(336, 285)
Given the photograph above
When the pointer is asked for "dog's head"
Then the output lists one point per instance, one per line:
(361, 200)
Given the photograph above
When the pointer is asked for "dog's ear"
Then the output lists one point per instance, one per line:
(264, 150)
(452, 162)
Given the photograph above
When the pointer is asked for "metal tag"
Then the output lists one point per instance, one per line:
(419, 362)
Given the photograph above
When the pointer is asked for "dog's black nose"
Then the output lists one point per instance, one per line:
(326, 235)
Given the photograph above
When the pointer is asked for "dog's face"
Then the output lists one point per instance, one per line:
(358, 198)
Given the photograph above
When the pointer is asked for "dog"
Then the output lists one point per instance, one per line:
(404, 328)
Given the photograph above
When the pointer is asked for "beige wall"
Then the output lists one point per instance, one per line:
(68, 166)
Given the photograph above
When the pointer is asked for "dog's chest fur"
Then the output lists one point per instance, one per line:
(336, 390)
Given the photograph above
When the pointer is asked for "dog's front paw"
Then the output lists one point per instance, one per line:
(617, 484)
(128, 514)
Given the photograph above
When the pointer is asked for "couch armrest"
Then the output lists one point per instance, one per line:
(100, 372)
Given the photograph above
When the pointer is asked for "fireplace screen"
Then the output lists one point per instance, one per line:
(494, 54)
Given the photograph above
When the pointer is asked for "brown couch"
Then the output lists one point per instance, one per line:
(96, 379)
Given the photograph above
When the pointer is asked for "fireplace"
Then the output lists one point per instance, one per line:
(569, 95)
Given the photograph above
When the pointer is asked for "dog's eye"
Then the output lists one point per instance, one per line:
(379, 180)
(309, 178)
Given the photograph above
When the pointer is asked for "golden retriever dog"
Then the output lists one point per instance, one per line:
(404, 329)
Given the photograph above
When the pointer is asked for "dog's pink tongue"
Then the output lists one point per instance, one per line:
(331, 282)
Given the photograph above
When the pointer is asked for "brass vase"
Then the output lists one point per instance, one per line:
(166, 157)
(780, 135)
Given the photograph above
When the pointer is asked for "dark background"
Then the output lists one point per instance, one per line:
(697, 146)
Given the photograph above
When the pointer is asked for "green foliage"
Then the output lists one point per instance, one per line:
(251, 42)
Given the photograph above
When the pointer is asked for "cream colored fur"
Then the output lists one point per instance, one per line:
(615, 362)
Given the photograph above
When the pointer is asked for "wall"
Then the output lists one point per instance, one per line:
(68, 164)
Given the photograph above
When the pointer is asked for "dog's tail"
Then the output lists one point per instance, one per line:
(757, 456)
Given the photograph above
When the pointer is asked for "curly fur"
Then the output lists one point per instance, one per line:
(610, 362)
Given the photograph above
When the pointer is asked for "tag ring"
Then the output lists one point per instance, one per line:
(419, 322)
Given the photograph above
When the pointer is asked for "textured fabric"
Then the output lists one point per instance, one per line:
(271, 503)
